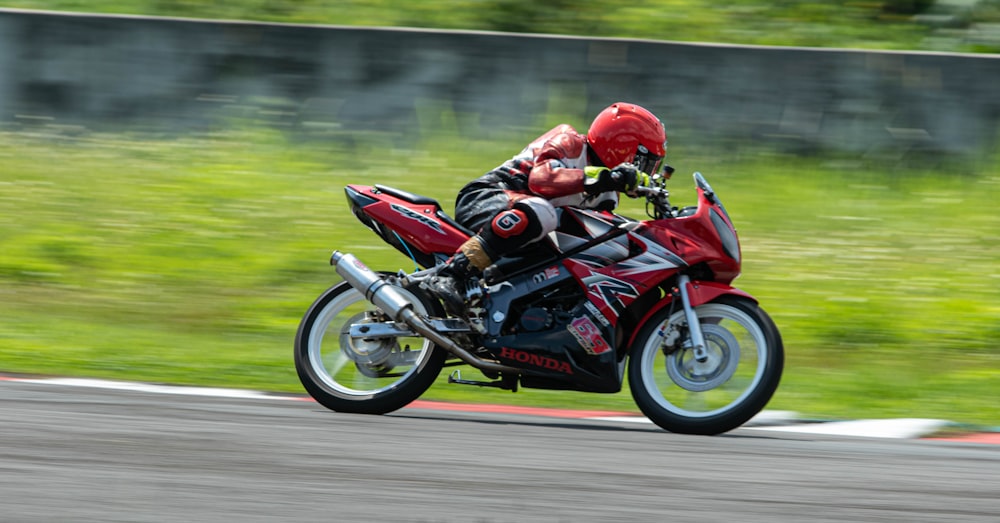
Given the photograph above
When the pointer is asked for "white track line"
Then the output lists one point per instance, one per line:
(779, 421)
(783, 421)
(158, 389)
(869, 428)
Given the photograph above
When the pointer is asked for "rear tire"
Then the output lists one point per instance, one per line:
(348, 374)
(680, 394)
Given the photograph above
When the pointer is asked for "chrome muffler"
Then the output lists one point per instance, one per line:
(374, 288)
(385, 296)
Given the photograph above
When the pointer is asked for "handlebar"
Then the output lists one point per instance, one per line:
(657, 200)
(646, 190)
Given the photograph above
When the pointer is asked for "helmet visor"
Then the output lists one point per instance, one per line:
(647, 162)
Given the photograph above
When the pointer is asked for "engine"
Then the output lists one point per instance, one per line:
(548, 309)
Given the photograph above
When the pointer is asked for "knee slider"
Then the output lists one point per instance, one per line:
(510, 223)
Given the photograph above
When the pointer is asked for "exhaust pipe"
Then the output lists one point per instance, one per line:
(374, 288)
(385, 296)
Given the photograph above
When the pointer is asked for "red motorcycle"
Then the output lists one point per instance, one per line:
(601, 296)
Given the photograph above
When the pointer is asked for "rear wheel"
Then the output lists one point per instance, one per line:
(369, 376)
(732, 384)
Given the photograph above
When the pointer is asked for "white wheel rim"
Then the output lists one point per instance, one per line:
(335, 361)
(751, 376)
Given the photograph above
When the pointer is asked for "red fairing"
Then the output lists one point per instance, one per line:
(418, 224)
(609, 294)
(666, 246)
(700, 292)
(695, 240)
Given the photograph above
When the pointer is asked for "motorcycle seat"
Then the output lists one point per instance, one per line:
(408, 196)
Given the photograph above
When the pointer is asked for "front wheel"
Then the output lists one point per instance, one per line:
(351, 374)
(738, 376)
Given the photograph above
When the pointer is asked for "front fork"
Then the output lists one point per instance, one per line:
(694, 326)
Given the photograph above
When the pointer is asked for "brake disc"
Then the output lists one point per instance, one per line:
(365, 351)
(723, 356)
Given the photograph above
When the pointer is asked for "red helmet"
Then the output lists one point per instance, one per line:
(628, 133)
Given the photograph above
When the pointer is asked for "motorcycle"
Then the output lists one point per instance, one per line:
(601, 298)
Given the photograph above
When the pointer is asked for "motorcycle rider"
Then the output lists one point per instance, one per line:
(514, 204)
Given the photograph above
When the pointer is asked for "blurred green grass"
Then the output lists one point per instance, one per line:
(191, 259)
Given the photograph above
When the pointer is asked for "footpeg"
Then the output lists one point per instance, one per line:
(506, 382)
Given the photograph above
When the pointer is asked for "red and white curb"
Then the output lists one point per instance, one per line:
(768, 420)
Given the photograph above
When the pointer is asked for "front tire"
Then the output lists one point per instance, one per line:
(741, 373)
(348, 374)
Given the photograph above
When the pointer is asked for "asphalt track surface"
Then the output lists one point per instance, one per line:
(81, 454)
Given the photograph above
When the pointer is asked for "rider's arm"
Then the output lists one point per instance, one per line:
(551, 177)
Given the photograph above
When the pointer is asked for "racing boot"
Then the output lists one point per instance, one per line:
(449, 283)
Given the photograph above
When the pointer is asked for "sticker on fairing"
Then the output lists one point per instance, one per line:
(588, 335)
(596, 313)
(413, 215)
(547, 274)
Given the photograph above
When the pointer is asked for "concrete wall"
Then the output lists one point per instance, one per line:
(164, 74)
